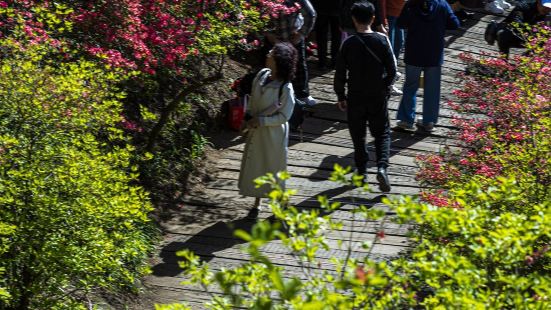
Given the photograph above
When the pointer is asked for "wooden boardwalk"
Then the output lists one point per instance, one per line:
(208, 213)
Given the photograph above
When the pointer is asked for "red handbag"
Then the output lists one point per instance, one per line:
(236, 113)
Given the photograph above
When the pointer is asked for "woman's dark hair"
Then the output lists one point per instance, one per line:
(285, 57)
(363, 12)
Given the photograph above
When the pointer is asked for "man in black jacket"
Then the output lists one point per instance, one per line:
(506, 34)
(366, 65)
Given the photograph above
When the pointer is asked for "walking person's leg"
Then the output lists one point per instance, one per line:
(357, 126)
(300, 83)
(431, 98)
(379, 127)
(322, 26)
(336, 35)
(395, 36)
(406, 110)
(399, 41)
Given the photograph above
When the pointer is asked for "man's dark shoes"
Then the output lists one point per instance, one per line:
(491, 32)
(382, 178)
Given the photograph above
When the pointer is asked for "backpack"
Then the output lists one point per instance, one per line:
(234, 110)
(244, 85)
(298, 116)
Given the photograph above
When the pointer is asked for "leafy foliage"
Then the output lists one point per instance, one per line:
(71, 221)
(491, 251)
(482, 254)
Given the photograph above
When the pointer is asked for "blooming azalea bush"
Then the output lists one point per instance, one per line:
(483, 252)
(72, 220)
(142, 35)
(504, 129)
(503, 124)
(174, 48)
(82, 56)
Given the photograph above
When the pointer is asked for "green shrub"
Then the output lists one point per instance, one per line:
(71, 220)
(483, 253)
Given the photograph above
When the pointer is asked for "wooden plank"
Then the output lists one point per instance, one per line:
(316, 127)
(361, 228)
(213, 204)
(165, 265)
(230, 168)
(326, 99)
(313, 175)
(310, 159)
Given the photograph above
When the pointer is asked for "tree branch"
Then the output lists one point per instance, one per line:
(169, 108)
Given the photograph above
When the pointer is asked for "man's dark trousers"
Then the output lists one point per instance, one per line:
(369, 111)
(324, 23)
(300, 82)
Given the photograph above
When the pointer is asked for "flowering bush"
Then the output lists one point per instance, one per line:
(504, 124)
(145, 35)
(71, 221)
(173, 51)
(171, 42)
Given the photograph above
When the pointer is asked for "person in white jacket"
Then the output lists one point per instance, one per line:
(270, 107)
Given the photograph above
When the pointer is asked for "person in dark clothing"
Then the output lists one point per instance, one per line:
(426, 22)
(367, 67)
(327, 19)
(506, 34)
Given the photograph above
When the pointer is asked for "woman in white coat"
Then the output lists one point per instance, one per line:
(270, 106)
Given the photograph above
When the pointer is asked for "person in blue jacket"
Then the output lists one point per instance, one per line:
(426, 22)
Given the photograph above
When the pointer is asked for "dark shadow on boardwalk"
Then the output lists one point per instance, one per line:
(312, 202)
(220, 236)
(405, 139)
(205, 243)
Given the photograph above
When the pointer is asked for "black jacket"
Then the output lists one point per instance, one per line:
(359, 70)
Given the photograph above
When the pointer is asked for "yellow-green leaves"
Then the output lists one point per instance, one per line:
(65, 182)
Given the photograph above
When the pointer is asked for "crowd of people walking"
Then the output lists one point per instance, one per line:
(366, 40)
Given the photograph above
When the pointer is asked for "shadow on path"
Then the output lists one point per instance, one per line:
(205, 243)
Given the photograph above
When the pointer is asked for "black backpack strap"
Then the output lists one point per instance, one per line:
(280, 93)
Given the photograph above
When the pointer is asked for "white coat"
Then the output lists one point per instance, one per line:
(266, 146)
